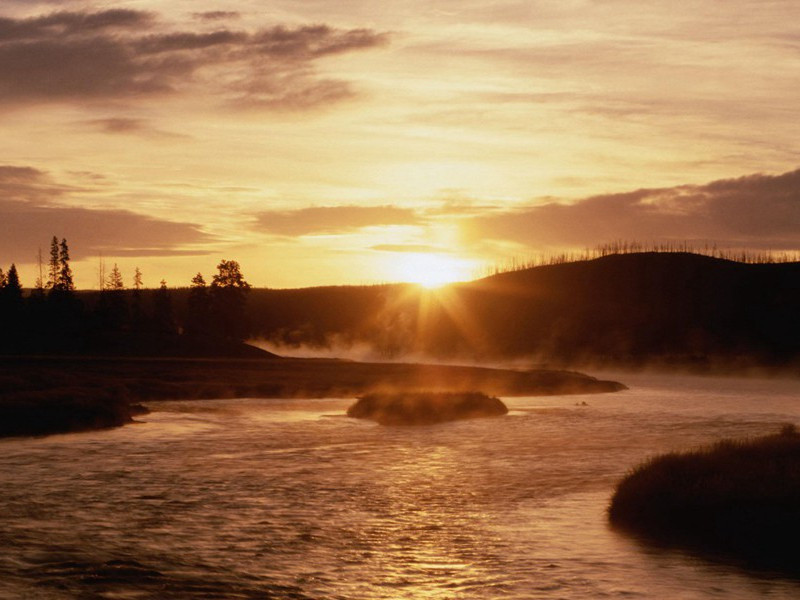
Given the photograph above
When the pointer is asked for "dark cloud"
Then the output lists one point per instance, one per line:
(216, 15)
(128, 126)
(71, 56)
(26, 184)
(119, 124)
(758, 211)
(65, 24)
(30, 216)
(332, 219)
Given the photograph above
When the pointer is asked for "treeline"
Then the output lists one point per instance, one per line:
(54, 318)
(740, 255)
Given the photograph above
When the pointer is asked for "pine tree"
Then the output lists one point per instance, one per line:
(3, 279)
(13, 287)
(137, 279)
(65, 283)
(137, 312)
(115, 282)
(54, 264)
(163, 317)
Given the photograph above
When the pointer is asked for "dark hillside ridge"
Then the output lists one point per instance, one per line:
(626, 309)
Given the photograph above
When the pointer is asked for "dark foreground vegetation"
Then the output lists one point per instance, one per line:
(425, 408)
(63, 411)
(736, 499)
(34, 386)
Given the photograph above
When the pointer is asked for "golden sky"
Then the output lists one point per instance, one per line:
(321, 142)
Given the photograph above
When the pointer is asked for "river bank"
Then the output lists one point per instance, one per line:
(31, 386)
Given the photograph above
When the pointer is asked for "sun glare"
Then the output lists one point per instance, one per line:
(430, 270)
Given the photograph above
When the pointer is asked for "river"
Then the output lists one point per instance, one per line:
(260, 498)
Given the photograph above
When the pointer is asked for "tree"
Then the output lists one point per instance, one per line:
(114, 282)
(3, 279)
(53, 264)
(163, 318)
(228, 298)
(229, 276)
(65, 283)
(12, 311)
(137, 313)
(39, 286)
(137, 279)
(198, 308)
(12, 288)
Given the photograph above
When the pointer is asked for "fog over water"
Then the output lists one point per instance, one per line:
(289, 499)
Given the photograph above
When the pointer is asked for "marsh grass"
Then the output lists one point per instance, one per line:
(737, 497)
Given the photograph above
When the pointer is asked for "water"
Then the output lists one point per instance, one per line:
(288, 499)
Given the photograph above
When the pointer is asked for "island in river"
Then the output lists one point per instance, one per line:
(426, 408)
(40, 395)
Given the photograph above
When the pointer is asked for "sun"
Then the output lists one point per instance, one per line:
(430, 270)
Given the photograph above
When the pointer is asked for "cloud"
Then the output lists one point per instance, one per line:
(332, 219)
(30, 215)
(74, 56)
(128, 126)
(757, 211)
(216, 15)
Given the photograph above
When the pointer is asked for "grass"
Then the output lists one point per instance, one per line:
(738, 497)
(64, 410)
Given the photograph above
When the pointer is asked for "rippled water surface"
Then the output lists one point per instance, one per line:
(289, 499)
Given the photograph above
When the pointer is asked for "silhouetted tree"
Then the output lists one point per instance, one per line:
(39, 285)
(12, 287)
(137, 279)
(198, 308)
(3, 279)
(137, 312)
(65, 283)
(11, 310)
(53, 264)
(228, 298)
(163, 317)
(112, 310)
(114, 281)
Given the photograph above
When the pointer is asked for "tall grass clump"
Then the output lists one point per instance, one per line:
(740, 497)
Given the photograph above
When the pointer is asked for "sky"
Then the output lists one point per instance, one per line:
(355, 142)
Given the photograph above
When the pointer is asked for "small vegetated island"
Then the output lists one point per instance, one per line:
(425, 408)
(737, 499)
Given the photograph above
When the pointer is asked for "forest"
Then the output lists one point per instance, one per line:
(54, 318)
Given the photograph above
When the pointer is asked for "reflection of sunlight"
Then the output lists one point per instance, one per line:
(430, 270)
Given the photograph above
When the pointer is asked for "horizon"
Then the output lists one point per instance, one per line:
(344, 144)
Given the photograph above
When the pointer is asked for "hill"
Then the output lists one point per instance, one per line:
(625, 309)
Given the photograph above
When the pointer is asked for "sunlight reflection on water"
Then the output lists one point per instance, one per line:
(287, 499)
